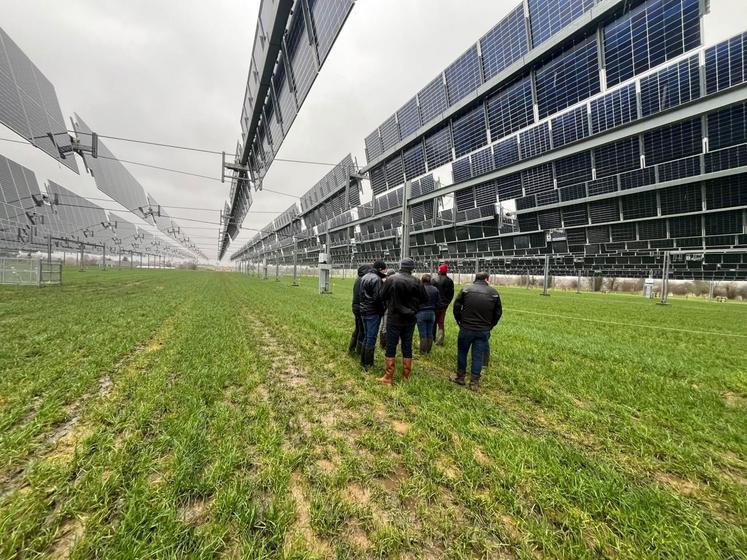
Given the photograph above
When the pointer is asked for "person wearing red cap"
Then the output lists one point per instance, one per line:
(445, 286)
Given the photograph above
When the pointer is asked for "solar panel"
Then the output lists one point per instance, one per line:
(547, 17)
(438, 147)
(568, 78)
(414, 160)
(509, 187)
(673, 142)
(726, 64)
(617, 157)
(482, 162)
(614, 109)
(378, 180)
(681, 200)
(727, 127)
(506, 152)
(504, 44)
(15, 198)
(301, 54)
(537, 179)
(469, 131)
(111, 176)
(28, 102)
(573, 169)
(80, 218)
(726, 192)
(432, 99)
(395, 173)
(670, 87)
(373, 145)
(534, 141)
(285, 96)
(461, 170)
(408, 118)
(570, 127)
(640, 205)
(652, 33)
(463, 76)
(389, 131)
(510, 110)
(329, 16)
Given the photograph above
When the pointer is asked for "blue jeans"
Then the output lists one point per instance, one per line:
(370, 330)
(395, 333)
(426, 324)
(479, 341)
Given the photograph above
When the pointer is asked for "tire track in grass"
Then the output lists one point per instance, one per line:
(65, 438)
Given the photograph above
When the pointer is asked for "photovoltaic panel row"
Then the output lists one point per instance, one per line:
(111, 176)
(334, 181)
(509, 109)
(18, 190)
(80, 218)
(28, 102)
(569, 77)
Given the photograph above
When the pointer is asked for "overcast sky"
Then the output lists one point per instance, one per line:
(175, 71)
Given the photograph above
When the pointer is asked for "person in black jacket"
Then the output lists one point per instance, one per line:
(403, 295)
(477, 310)
(371, 309)
(426, 316)
(445, 286)
(356, 339)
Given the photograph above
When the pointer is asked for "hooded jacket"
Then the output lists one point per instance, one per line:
(356, 289)
(403, 294)
(369, 293)
(478, 307)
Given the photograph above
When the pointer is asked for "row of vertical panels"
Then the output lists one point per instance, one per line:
(567, 79)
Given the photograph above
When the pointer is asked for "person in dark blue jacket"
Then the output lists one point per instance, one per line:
(426, 316)
(356, 339)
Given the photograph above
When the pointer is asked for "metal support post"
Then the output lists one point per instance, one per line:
(477, 265)
(665, 280)
(546, 280)
(103, 255)
(82, 258)
(277, 269)
(49, 248)
(141, 260)
(404, 244)
(578, 283)
(711, 290)
(295, 262)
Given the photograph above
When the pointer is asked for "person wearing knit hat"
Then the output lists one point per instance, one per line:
(445, 287)
(402, 295)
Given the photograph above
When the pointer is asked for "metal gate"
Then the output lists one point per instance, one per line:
(29, 272)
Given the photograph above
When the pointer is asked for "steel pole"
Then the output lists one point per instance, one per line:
(578, 283)
(295, 262)
(404, 244)
(49, 248)
(546, 280)
(665, 280)
(103, 255)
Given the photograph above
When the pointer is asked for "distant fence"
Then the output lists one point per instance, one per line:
(29, 271)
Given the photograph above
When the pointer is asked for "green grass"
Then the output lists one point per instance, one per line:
(169, 414)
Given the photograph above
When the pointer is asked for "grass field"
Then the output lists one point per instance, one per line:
(165, 414)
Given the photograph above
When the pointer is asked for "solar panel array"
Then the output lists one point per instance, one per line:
(292, 41)
(31, 217)
(575, 157)
(28, 102)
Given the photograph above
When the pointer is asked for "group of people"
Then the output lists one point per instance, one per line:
(395, 303)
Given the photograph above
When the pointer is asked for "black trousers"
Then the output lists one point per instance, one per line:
(359, 330)
(396, 334)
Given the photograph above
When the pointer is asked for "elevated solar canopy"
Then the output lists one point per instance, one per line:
(28, 103)
(293, 39)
